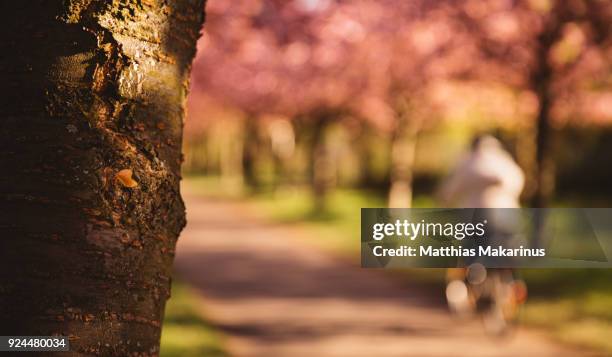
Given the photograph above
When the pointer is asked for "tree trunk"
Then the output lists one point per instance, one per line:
(251, 149)
(364, 145)
(282, 147)
(545, 165)
(231, 151)
(94, 92)
(526, 148)
(320, 164)
(403, 150)
(541, 82)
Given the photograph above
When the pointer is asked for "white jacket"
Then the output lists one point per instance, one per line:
(487, 178)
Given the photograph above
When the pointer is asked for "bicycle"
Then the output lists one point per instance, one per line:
(494, 294)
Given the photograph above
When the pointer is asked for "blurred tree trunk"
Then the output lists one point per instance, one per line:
(403, 150)
(320, 163)
(231, 151)
(526, 157)
(545, 165)
(93, 92)
(251, 149)
(363, 145)
(541, 83)
(282, 146)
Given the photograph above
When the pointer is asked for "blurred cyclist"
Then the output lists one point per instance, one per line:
(488, 177)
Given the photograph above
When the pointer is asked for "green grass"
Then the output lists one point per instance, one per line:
(338, 227)
(573, 304)
(212, 186)
(185, 333)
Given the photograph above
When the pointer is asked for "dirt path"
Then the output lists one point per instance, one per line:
(273, 297)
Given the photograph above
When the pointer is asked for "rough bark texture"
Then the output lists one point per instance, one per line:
(91, 88)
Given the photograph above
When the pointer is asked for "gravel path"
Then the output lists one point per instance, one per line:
(272, 296)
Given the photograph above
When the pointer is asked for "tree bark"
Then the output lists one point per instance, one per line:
(93, 91)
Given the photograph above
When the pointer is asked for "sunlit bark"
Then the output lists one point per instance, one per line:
(91, 151)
